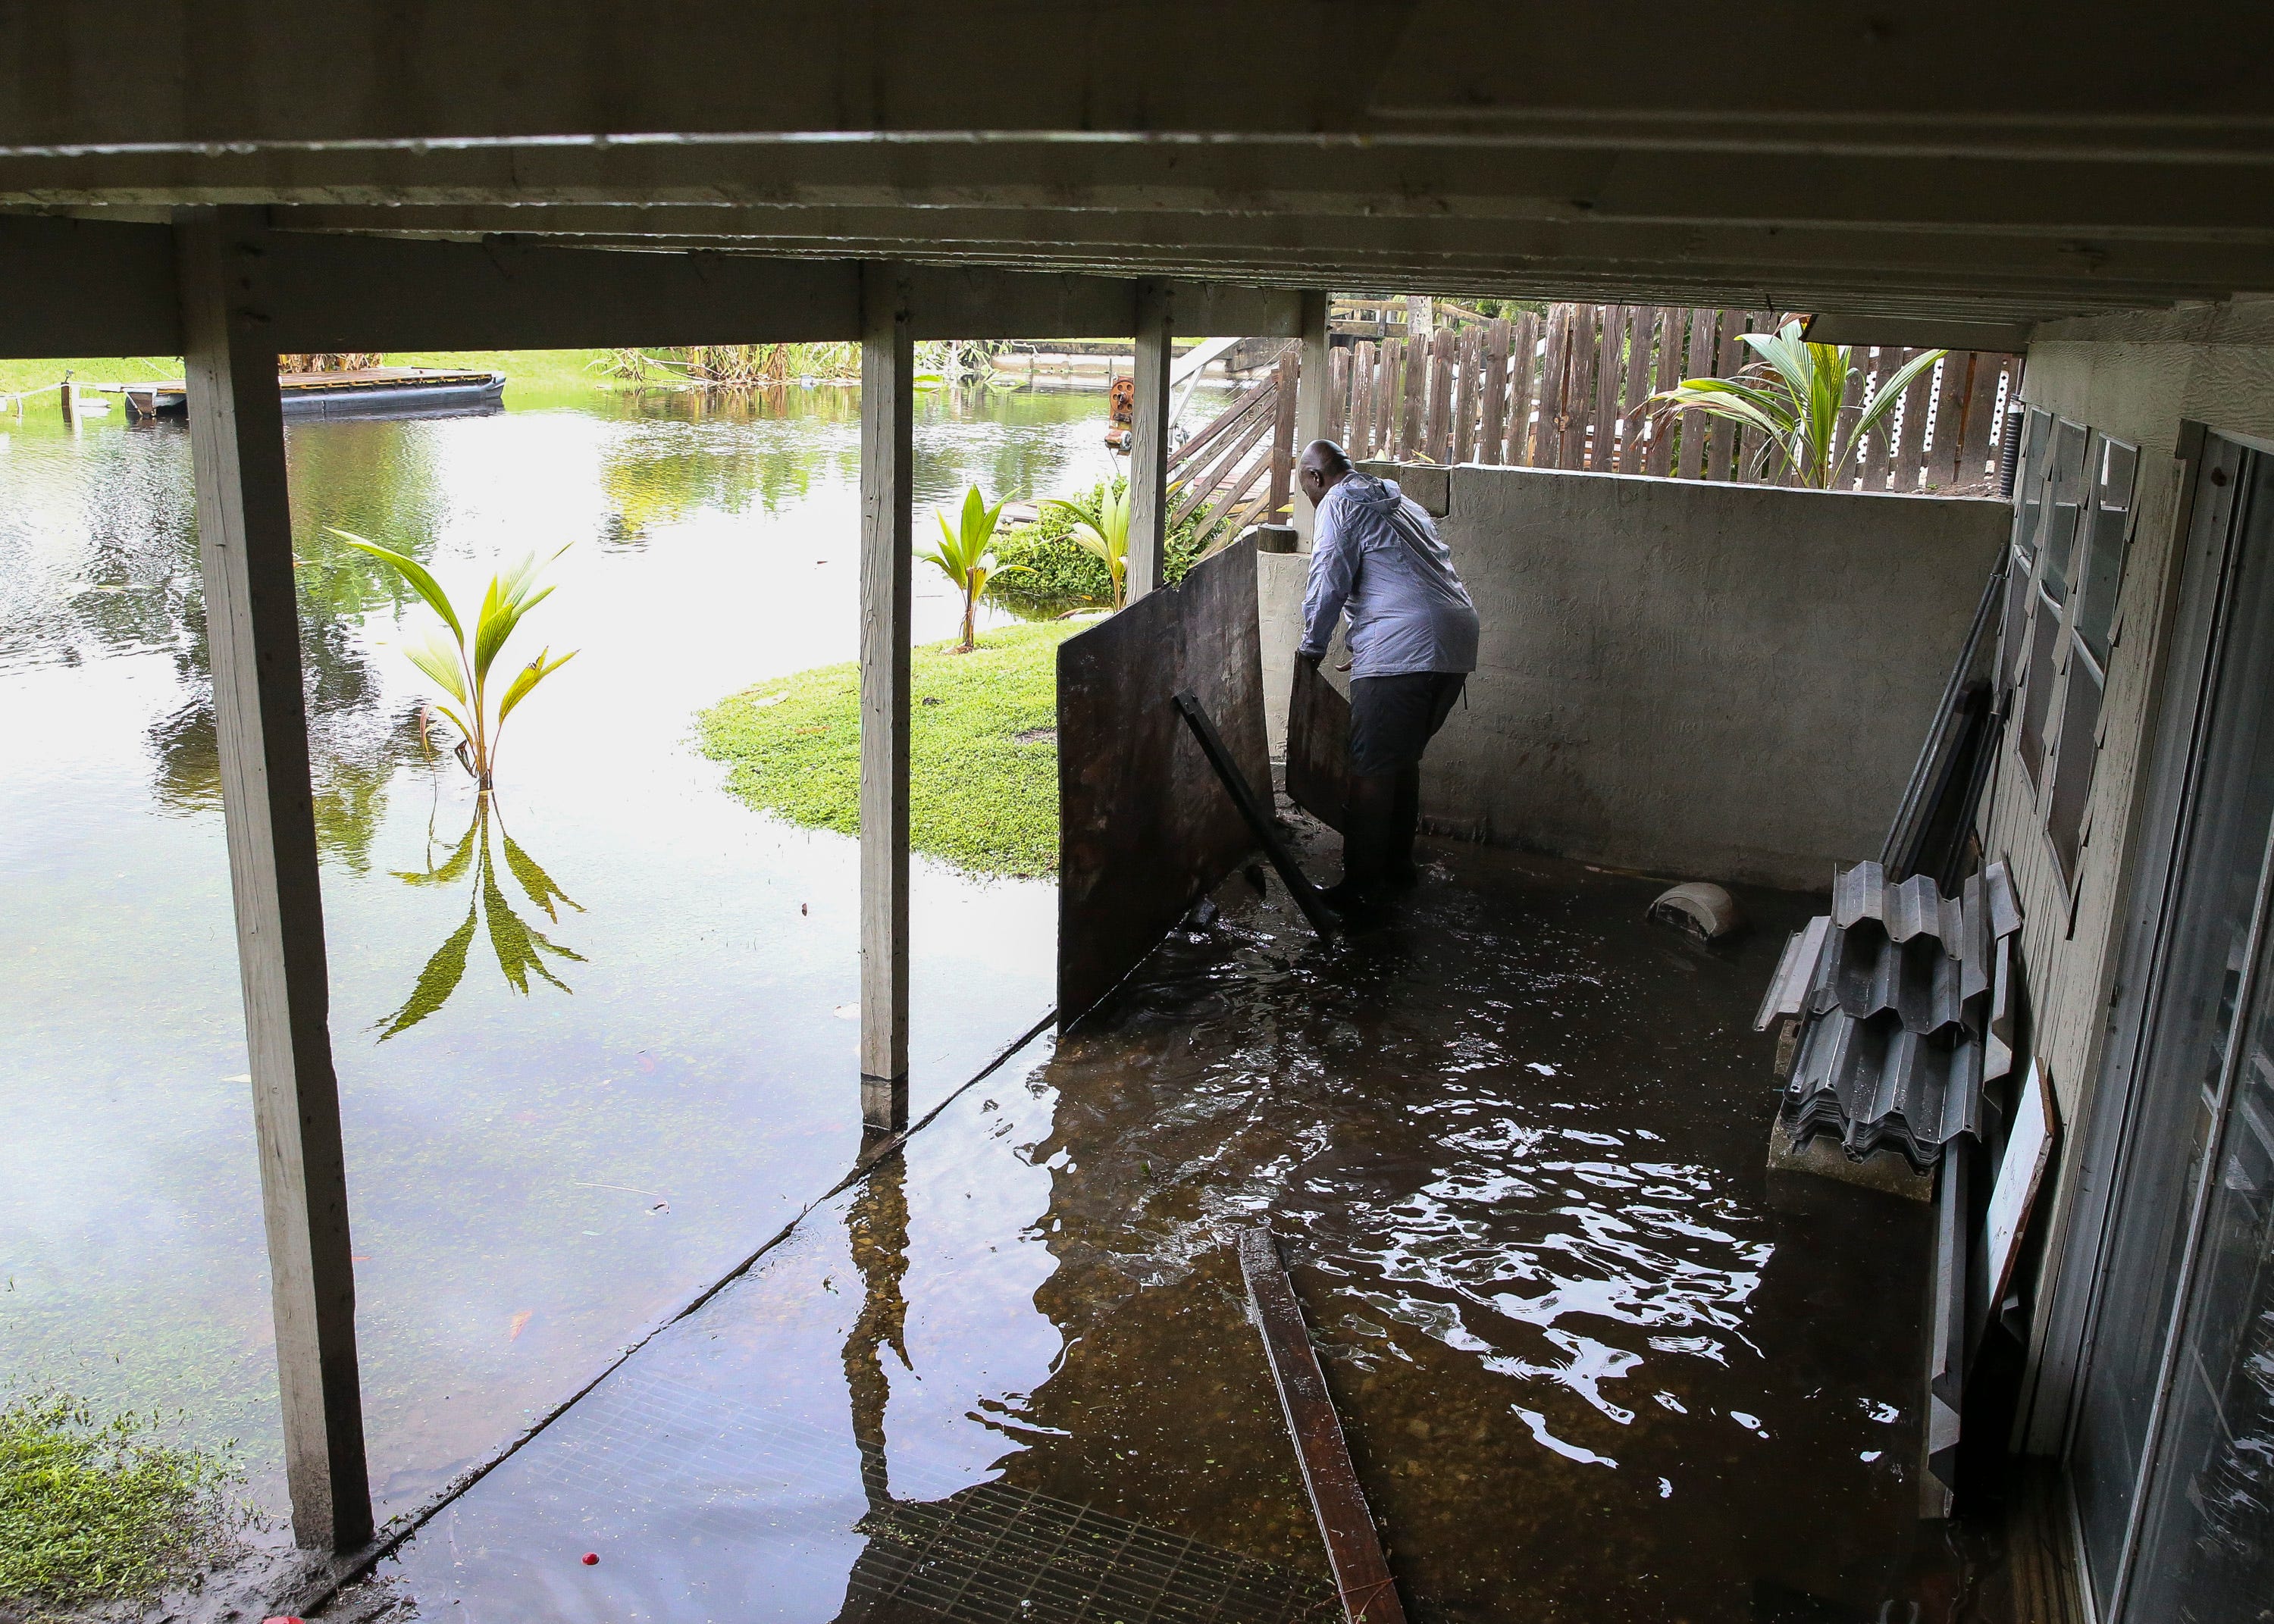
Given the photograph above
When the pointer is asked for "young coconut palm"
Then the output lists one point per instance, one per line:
(1106, 529)
(965, 556)
(462, 669)
(1792, 396)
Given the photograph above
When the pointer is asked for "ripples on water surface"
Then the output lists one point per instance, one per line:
(1591, 1366)
(535, 1176)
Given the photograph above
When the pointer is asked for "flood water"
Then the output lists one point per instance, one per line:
(1595, 1363)
(647, 1065)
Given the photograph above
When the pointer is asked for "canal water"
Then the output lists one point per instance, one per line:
(647, 1064)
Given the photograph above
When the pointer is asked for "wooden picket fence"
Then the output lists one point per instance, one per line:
(1568, 389)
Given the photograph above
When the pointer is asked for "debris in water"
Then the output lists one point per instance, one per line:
(1705, 910)
(520, 1322)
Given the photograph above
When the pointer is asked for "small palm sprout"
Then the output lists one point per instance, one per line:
(1105, 532)
(462, 670)
(1793, 396)
(965, 556)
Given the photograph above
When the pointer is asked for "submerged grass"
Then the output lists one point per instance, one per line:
(983, 757)
(95, 1510)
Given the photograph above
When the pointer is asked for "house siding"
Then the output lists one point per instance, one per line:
(2137, 379)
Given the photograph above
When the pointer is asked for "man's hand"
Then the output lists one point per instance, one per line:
(1309, 659)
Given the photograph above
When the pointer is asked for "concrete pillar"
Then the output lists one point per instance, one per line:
(887, 592)
(245, 547)
(1148, 445)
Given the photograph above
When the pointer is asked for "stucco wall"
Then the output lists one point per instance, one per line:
(1710, 680)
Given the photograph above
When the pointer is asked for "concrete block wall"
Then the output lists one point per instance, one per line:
(1700, 680)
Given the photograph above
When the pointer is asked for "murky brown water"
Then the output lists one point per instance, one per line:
(1593, 1367)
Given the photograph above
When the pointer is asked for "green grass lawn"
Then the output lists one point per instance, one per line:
(983, 755)
(550, 370)
(97, 1509)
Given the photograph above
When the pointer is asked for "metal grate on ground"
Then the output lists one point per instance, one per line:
(991, 1552)
(941, 1547)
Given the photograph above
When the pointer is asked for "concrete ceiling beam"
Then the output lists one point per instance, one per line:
(1932, 77)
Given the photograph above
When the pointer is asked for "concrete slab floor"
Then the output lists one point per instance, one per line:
(1592, 1365)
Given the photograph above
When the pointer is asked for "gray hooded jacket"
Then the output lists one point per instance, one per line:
(1375, 553)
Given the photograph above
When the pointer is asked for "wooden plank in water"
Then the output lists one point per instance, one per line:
(1255, 814)
(1362, 1576)
(1318, 745)
(1492, 385)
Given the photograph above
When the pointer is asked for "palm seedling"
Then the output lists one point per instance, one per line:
(461, 666)
(1104, 531)
(965, 555)
(1793, 397)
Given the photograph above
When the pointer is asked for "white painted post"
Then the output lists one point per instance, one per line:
(888, 549)
(244, 545)
(1148, 445)
(1310, 400)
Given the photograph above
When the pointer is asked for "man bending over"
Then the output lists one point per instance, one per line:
(1412, 643)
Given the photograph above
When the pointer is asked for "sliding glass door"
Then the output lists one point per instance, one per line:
(2171, 1453)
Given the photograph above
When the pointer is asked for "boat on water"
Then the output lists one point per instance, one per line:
(369, 392)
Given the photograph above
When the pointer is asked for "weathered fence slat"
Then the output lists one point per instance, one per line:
(1877, 451)
(1414, 386)
(1524, 366)
(1283, 432)
(1698, 363)
(1437, 433)
(1641, 322)
(1492, 389)
(1981, 407)
(1728, 354)
(1911, 450)
(1660, 459)
(1548, 451)
(1602, 440)
(1949, 408)
(1465, 395)
(1361, 418)
(1336, 427)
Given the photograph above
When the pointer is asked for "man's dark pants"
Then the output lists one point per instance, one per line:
(1392, 720)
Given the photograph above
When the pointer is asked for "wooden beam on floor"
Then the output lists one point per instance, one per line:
(887, 551)
(1362, 1576)
(1148, 443)
(244, 545)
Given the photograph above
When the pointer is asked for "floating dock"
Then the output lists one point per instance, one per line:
(370, 392)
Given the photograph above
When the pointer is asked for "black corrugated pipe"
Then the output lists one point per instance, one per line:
(2009, 452)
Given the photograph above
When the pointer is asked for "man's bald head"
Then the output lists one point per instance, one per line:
(1324, 466)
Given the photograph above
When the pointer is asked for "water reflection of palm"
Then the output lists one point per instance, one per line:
(520, 947)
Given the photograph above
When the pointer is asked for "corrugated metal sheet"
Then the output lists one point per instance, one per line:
(1903, 993)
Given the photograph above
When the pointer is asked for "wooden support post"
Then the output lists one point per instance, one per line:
(252, 628)
(887, 551)
(1310, 392)
(1148, 445)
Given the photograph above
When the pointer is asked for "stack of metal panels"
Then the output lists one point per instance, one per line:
(1904, 996)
